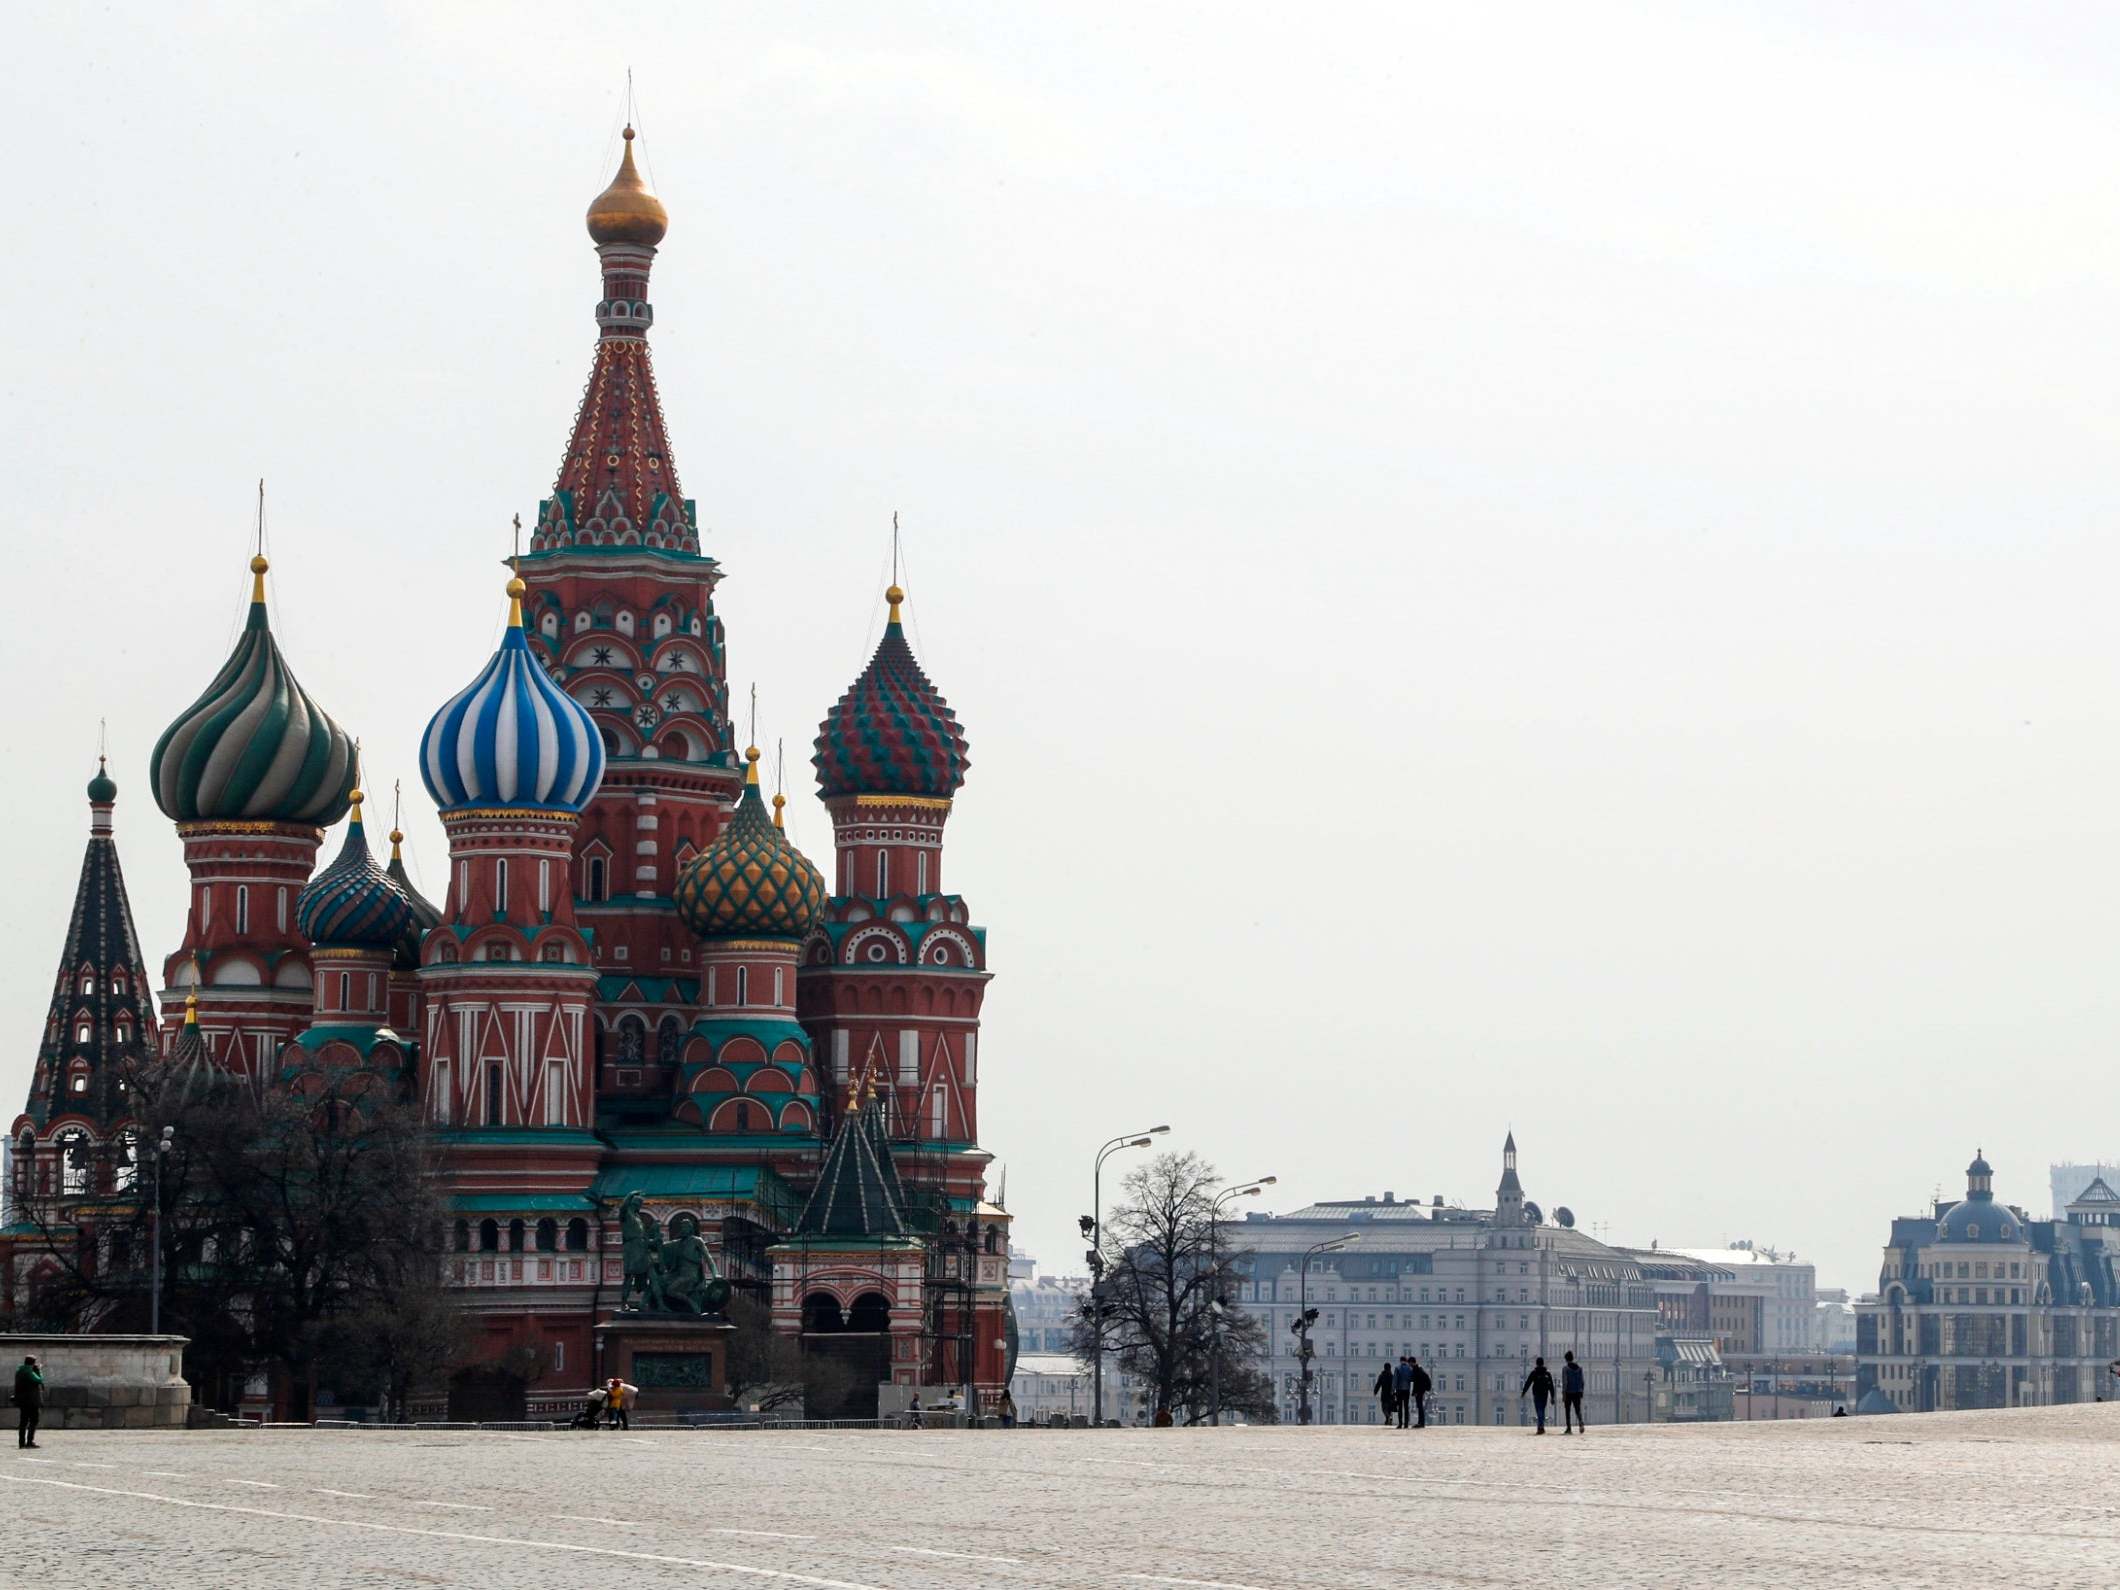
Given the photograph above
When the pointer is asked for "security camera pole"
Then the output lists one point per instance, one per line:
(1306, 1316)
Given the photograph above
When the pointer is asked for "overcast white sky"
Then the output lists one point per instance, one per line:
(1515, 565)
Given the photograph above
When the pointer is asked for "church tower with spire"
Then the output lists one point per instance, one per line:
(252, 774)
(99, 1031)
(620, 612)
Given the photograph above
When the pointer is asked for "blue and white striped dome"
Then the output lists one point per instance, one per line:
(512, 737)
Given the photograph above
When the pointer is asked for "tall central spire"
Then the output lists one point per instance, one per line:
(617, 485)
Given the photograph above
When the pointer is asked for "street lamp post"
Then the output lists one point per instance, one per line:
(1093, 1228)
(1303, 1313)
(154, 1305)
(1250, 1189)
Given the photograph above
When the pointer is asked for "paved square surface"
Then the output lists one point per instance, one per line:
(2017, 1499)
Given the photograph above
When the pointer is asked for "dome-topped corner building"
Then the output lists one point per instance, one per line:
(1977, 1217)
(252, 772)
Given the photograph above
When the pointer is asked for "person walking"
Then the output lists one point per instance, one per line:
(1572, 1420)
(29, 1400)
(1402, 1385)
(618, 1403)
(912, 1413)
(1006, 1407)
(1419, 1387)
(1540, 1384)
(1387, 1390)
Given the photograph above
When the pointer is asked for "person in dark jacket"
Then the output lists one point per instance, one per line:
(1387, 1390)
(1419, 1388)
(1572, 1419)
(1402, 1387)
(1540, 1384)
(29, 1400)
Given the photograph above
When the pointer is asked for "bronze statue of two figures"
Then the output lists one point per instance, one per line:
(673, 1274)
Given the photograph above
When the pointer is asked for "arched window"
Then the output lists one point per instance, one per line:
(242, 908)
(88, 982)
(596, 879)
(500, 884)
(577, 1235)
(463, 1236)
(493, 1095)
(515, 1236)
(669, 1038)
(489, 1236)
(547, 1235)
(883, 874)
(73, 1161)
(743, 985)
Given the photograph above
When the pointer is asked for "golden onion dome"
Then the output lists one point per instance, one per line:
(628, 211)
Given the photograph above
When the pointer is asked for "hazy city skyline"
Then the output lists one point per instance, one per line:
(1544, 571)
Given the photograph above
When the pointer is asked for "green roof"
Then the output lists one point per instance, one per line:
(519, 1136)
(361, 1036)
(611, 988)
(511, 1203)
(768, 1032)
(739, 1183)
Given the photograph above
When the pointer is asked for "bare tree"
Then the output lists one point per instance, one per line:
(1163, 1301)
(301, 1232)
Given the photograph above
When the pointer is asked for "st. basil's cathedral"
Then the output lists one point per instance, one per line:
(634, 981)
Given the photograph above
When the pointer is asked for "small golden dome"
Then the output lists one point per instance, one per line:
(258, 565)
(628, 211)
(517, 588)
(894, 596)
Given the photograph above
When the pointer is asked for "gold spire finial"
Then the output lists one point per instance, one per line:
(258, 566)
(191, 1006)
(894, 596)
(628, 210)
(750, 772)
(354, 800)
(397, 811)
(516, 588)
(779, 821)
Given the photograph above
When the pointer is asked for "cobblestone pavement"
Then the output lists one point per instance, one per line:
(2021, 1498)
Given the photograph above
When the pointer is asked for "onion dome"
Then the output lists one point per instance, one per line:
(628, 211)
(102, 789)
(190, 1069)
(891, 733)
(425, 914)
(254, 747)
(352, 903)
(750, 883)
(512, 738)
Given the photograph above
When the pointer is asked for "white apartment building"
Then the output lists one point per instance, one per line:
(1786, 1287)
(1476, 1295)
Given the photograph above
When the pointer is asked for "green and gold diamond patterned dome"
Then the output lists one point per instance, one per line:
(750, 883)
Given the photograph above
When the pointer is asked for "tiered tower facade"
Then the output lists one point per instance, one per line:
(636, 984)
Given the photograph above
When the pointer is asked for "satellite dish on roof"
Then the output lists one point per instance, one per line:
(1564, 1216)
(1533, 1213)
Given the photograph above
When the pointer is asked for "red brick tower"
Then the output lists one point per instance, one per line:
(621, 611)
(252, 774)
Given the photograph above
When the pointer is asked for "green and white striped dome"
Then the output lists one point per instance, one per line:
(254, 747)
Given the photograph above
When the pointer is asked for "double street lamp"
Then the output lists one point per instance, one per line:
(1093, 1228)
(1306, 1316)
(1214, 1276)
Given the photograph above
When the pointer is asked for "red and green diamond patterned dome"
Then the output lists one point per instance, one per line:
(891, 733)
(750, 883)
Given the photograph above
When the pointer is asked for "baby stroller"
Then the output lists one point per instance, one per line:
(591, 1413)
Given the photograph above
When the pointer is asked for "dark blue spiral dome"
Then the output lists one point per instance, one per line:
(352, 904)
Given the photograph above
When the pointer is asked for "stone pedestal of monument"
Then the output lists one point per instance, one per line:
(679, 1361)
(94, 1382)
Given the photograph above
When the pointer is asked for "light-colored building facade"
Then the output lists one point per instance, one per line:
(1981, 1306)
(1476, 1295)
(1773, 1298)
(2068, 1182)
